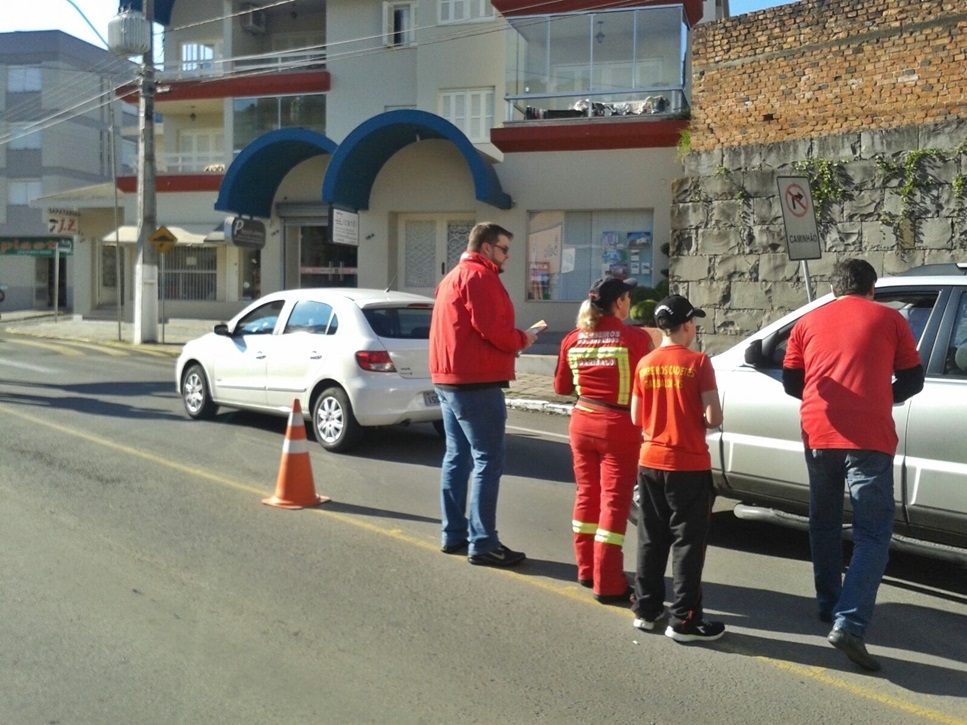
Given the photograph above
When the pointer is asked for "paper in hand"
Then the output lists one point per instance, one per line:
(538, 327)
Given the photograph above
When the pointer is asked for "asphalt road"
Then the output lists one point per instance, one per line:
(144, 581)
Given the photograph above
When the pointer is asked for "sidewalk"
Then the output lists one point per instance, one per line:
(532, 390)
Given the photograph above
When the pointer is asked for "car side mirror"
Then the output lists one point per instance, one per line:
(753, 354)
(221, 329)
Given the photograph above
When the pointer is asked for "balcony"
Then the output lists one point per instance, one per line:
(589, 66)
(205, 68)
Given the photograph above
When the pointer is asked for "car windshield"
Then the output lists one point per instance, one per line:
(407, 323)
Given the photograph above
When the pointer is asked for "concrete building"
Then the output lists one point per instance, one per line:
(368, 137)
(54, 135)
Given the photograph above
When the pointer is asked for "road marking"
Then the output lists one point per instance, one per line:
(542, 433)
(49, 346)
(32, 368)
(112, 351)
(570, 590)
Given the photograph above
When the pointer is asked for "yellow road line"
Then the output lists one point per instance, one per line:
(51, 347)
(818, 674)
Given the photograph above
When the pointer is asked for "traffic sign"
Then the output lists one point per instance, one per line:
(163, 240)
(799, 216)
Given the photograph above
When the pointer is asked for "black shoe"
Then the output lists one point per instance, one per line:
(586, 583)
(852, 646)
(692, 631)
(616, 598)
(500, 557)
(458, 548)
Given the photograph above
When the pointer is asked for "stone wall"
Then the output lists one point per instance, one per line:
(884, 149)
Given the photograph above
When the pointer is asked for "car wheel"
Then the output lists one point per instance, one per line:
(440, 430)
(194, 394)
(333, 421)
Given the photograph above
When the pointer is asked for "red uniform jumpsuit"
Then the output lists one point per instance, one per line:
(600, 367)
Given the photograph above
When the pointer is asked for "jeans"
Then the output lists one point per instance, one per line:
(869, 478)
(474, 422)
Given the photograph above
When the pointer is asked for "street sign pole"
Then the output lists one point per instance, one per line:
(799, 217)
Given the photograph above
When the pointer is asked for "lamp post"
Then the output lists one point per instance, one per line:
(130, 33)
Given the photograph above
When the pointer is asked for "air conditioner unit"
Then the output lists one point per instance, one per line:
(252, 19)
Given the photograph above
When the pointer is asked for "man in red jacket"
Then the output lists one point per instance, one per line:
(473, 346)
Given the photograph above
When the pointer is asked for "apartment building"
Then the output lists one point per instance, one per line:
(55, 132)
(366, 138)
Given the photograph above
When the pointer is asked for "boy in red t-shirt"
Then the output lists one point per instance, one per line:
(674, 400)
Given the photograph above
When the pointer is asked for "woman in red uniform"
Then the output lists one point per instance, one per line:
(597, 361)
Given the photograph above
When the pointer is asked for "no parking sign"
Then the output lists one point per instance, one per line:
(799, 216)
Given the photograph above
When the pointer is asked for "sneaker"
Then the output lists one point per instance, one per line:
(457, 548)
(852, 646)
(691, 631)
(500, 557)
(647, 624)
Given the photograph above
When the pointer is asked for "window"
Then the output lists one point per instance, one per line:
(312, 317)
(23, 79)
(402, 323)
(23, 139)
(190, 273)
(257, 116)
(458, 11)
(198, 58)
(399, 23)
(472, 111)
(261, 320)
(21, 192)
(566, 251)
(956, 360)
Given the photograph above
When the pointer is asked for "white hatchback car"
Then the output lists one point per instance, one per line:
(352, 358)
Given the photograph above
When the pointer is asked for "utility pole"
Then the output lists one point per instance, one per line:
(146, 259)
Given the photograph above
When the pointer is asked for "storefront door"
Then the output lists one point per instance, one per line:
(430, 246)
(321, 263)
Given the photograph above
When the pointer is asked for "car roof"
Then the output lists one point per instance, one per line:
(361, 296)
(948, 268)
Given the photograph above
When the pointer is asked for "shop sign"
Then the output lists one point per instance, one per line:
(245, 233)
(344, 228)
(36, 246)
(63, 221)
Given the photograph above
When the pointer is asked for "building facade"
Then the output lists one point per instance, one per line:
(55, 134)
(368, 137)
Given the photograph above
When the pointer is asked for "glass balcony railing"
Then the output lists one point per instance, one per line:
(615, 63)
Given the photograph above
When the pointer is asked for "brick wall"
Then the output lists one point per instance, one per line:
(824, 67)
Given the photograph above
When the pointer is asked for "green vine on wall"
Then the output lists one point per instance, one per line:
(739, 192)
(913, 177)
(827, 183)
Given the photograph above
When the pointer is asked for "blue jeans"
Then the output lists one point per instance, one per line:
(869, 478)
(474, 421)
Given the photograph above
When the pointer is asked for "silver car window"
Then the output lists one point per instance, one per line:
(310, 316)
(955, 364)
(261, 320)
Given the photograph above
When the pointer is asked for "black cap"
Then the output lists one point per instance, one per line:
(674, 311)
(606, 291)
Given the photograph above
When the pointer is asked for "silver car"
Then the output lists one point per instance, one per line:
(757, 456)
(353, 358)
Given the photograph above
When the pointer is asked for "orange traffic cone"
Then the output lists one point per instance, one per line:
(295, 488)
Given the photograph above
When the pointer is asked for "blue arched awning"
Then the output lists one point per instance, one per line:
(253, 178)
(358, 160)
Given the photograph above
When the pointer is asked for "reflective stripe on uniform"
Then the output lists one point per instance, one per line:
(578, 355)
(580, 527)
(609, 537)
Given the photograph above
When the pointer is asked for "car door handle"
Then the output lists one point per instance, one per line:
(315, 355)
(260, 355)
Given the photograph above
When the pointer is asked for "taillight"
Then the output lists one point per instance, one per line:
(376, 361)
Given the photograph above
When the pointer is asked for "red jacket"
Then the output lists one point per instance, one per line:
(472, 333)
